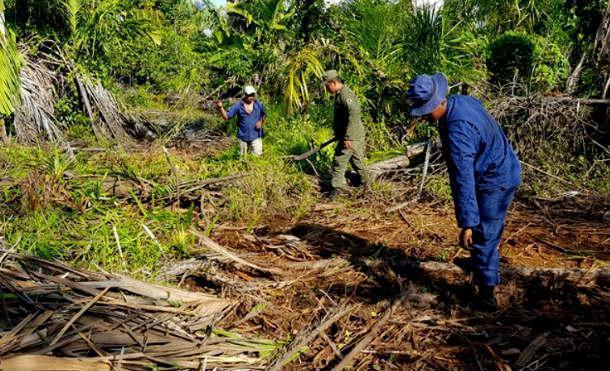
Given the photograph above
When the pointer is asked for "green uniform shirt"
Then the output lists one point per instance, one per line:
(347, 121)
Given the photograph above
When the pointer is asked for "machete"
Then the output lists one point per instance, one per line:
(312, 151)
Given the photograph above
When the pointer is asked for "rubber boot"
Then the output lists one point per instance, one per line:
(486, 299)
(334, 194)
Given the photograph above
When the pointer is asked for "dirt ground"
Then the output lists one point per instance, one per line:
(402, 315)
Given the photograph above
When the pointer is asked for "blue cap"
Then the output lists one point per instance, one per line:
(426, 93)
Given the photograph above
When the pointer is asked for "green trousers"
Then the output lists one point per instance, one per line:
(343, 157)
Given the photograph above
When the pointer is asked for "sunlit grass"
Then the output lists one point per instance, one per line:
(70, 214)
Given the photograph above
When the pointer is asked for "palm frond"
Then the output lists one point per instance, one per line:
(302, 66)
(236, 9)
(35, 118)
(110, 23)
(10, 62)
(107, 119)
(306, 64)
(375, 27)
(72, 8)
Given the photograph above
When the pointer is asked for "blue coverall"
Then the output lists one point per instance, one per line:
(484, 173)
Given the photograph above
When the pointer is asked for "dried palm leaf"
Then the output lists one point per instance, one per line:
(35, 118)
(109, 121)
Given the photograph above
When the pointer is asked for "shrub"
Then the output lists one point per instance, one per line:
(536, 60)
(509, 54)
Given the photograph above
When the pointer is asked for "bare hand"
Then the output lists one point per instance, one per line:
(259, 125)
(219, 104)
(466, 238)
(347, 144)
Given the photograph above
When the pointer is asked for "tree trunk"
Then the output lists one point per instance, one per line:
(602, 37)
(3, 135)
(575, 75)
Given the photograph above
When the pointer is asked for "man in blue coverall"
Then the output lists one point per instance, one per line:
(484, 173)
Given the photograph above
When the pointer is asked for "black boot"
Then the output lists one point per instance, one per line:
(464, 263)
(333, 194)
(486, 299)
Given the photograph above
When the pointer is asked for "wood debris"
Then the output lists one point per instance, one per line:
(56, 317)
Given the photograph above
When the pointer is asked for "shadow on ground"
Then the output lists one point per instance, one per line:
(545, 321)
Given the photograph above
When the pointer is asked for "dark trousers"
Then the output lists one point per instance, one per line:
(344, 157)
(493, 206)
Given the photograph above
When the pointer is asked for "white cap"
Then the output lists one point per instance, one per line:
(249, 90)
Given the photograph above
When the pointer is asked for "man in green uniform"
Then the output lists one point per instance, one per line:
(349, 132)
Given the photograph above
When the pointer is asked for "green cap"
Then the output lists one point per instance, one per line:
(330, 75)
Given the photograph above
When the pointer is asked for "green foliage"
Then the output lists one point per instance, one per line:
(531, 59)
(435, 43)
(68, 114)
(439, 187)
(47, 18)
(375, 27)
(105, 28)
(303, 66)
(171, 67)
(10, 62)
(511, 56)
(551, 65)
(498, 16)
(265, 19)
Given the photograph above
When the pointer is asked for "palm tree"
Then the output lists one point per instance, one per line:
(305, 65)
(103, 26)
(499, 16)
(269, 18)
(88, 30)
(375, 26)
(435, 42)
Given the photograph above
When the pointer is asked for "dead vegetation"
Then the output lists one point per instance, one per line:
(35, 118)
(362, 291)
(535, 121)
(347, 286)
(62, 318)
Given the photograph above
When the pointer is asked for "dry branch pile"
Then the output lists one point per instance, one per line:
(347, 302)
(537, 121)
(75, 320)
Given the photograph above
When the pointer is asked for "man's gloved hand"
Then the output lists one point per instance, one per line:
(347, 144)
(466, 238)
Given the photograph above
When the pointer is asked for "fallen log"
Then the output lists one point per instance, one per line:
(399, 162)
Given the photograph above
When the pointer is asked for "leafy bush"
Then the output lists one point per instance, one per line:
(551, 65)
(511, 54)
(532, 59)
